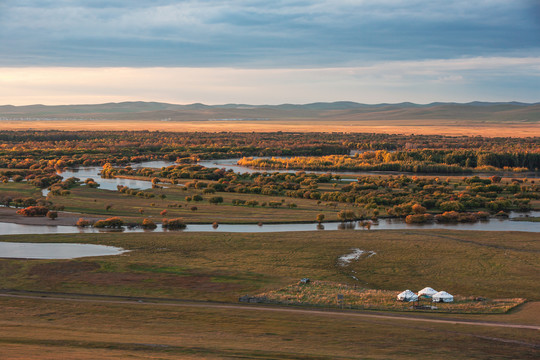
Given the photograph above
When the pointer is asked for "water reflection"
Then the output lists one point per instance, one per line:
(383, 224)
(347, 226)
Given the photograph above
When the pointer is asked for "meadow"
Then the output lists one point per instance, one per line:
(221, 267)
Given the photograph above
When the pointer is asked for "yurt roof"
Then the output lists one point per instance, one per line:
(407, 292)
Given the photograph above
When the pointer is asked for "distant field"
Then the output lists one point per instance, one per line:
(486, 119)
(425, 127)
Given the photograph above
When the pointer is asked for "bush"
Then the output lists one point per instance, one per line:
(346, 215)
(174, 224)
(215, 200)
(451, 206)
(417, 219)
(148, 224)
(110, 223)
(52, 214)
(33, 211)
(82, 223)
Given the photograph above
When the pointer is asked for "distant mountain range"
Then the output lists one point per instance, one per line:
(341, 110)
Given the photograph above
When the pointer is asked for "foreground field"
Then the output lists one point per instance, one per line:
(222, 267)
(51, 329)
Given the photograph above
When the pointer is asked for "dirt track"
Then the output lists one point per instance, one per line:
(209, 305)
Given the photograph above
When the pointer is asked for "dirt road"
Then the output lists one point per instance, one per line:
(257, 307)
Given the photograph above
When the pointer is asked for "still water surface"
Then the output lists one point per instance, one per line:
(55, 250)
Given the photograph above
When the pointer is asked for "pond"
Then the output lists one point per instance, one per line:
(55, 250)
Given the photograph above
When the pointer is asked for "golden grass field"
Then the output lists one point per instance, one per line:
(411, 126)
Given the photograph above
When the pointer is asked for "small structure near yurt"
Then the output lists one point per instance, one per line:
(427, 292)
(407, 295)
(442, 296)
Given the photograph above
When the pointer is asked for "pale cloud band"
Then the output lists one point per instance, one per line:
(421, 81)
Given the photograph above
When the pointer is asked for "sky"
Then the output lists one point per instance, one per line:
(268, 52)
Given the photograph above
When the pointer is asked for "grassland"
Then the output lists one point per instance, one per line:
(324, 293)
(421, 127)
(220, 267)
(45, 329)
(495, 119)
(94, 201)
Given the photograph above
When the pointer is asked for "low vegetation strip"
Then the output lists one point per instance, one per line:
(330, 294)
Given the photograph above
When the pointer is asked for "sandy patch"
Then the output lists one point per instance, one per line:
(355, 255)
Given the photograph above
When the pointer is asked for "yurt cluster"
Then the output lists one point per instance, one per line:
(428, 293)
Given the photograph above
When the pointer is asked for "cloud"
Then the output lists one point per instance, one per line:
(257, 33)
(460, 80)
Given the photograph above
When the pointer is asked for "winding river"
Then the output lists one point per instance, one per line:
(230, 164)
(65, 251)
(383, 224)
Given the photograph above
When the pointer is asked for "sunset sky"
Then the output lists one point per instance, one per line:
(269, 52)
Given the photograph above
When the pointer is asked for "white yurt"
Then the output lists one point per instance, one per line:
(427, 292)
(442, 296)
(407, 295)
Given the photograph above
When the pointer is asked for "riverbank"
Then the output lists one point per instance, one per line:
(9, 215)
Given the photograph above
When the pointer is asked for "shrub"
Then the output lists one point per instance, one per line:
(163, 213)
(174, 224)
(33, 211)
(215, 200)
(451, 206)
(52, 214)
(416, 219)
(82, 223)
(148, 224)
(110, 223)
(418, 209)
(346, 215)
